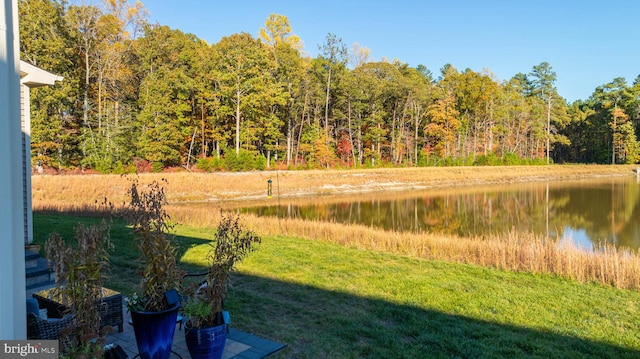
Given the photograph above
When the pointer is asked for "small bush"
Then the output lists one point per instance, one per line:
(489, 159)
(210, 164)
(540, 162)
(122, 169)
(244, 161)
(260, 162)
(142, 166)
(511, 159)
(156, 167)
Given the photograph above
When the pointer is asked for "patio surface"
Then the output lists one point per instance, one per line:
(240, 345)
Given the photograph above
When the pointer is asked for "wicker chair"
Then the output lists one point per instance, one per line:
(48, 329)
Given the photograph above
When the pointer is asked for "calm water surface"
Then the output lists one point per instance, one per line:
(586, 212)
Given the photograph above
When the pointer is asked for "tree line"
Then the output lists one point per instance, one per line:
(137, 94)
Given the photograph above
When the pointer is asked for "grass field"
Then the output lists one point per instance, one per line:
(325, 300)
(331, 291)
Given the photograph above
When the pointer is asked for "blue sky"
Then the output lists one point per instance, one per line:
(588, 43)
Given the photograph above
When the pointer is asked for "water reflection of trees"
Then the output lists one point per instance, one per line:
(606, 210)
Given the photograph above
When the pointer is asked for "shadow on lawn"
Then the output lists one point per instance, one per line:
(315, 323)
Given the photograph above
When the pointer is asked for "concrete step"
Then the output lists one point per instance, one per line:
(39, 275)
(31, 259)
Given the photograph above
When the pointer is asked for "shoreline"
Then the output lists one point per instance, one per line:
(243, 187)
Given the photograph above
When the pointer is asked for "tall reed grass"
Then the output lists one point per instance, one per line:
(515, 251)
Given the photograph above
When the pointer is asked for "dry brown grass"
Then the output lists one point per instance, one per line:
(515, 251)
(226, 188)
(523, 252)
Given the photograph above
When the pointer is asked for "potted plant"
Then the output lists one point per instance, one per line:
(79, 273)
(206, 324)
(155, 309)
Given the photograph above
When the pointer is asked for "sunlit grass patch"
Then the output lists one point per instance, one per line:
(330, 300)
(383, 304)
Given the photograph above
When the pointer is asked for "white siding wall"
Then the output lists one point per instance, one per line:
(23, 108)
(12, 265)
(25, 125)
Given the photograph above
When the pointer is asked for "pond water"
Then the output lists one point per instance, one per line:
(587, 212)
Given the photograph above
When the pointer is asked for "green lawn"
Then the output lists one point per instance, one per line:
(328, 301)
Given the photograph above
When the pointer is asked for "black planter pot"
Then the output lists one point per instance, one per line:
(154, 332)
(206, 343)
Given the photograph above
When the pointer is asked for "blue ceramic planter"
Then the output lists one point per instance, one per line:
(154, 332)
(206, 343)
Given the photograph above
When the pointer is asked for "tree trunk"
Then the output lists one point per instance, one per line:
(238, 121)
(326, 107)
(353, 152)
(548, 128)
(204, 153)
(85, 107)
(289, 139)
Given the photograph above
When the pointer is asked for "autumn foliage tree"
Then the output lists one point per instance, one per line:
(135, 93)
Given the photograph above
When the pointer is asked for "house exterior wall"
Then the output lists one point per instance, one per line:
(12, 263)
(25, 125)
(30, 77)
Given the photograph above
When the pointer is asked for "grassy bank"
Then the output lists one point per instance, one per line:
(327, 300)
(524, 252)
(344, 291)
(516, 251)
(69, 191)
